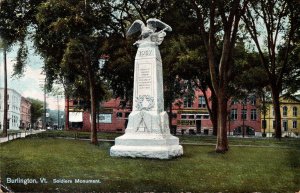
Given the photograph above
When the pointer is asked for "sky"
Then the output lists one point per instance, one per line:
(31, 83)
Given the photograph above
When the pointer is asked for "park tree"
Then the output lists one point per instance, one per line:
(119, 67)
(272, 26)
(219, 21)
(13, 29)
(69, 36)
(36, 109)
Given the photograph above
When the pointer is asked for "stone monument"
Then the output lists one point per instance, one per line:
(147, 134)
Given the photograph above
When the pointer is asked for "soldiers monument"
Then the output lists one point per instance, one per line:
(148, 134)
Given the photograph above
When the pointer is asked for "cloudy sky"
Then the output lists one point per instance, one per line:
(31, 83)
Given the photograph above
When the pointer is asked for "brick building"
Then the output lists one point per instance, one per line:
(25, 114)
(244, 117)
(189, 116)
(193, 117)
(111, 117)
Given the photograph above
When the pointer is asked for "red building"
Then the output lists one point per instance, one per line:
(189, 116)
(244, 117)
(111, 117)
(25, 113)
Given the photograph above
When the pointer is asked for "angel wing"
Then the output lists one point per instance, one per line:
(156, 23)
(135, 27)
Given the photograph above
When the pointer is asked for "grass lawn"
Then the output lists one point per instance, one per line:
(242, 169)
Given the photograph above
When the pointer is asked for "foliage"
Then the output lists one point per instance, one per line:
(291, 81)
(118, 68)
(218, 24)
(247, 73)
(69, 36)
(277, 21)
(36, 109)
(15, 19)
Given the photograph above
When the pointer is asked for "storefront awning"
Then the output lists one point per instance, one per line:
(75, 117)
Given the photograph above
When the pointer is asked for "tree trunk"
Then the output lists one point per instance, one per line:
(67, 112)
(5, 123)
(214, 110)
(276, 104)
(170, 116)
(94, 139)
(222, 141)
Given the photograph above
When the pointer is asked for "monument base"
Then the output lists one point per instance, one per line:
(147, 146)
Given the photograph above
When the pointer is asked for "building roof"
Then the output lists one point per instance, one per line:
(13, 90)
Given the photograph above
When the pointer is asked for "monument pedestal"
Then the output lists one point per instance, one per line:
(147, 134)
(147, 146)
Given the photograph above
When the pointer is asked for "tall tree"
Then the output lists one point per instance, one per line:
(272, 27)
(69, 35)
(13, 29)
(219, 20)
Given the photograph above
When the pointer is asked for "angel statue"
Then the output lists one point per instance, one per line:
(148, 32)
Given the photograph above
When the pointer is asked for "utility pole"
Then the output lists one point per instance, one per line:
(5, 118)
(45, 106)
(5, 102)
(57, 112)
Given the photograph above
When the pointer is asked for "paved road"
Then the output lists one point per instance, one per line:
(20, 135)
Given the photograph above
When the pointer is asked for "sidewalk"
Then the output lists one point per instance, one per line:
(23, 134)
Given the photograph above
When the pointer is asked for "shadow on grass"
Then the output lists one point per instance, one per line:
(294, 164)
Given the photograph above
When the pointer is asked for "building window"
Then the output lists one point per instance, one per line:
(191, 116)
(233, 114)
(119, 114)
(201, 102)
(234, 102)
(183, 117)
(274, 124)
(284, 112)
(253, 101)
(253, 114)
(273, 112)
(285, 125)
(295, 111)
(187, 102)
(244, 114)
(205, 117)
(294, 124)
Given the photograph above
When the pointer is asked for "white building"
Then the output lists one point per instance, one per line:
(14, 104)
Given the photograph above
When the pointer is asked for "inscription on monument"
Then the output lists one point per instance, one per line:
(144, 79)
(145, 52)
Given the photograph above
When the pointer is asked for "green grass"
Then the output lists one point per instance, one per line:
(202, 140)
(242, 169)
(74, 134)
